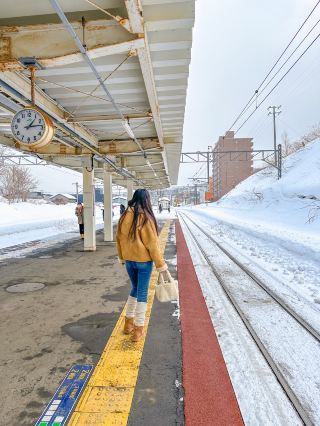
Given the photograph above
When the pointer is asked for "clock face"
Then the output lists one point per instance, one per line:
(32, 128)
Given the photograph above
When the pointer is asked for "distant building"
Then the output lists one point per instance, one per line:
(230, 168)
(63, 199)
(98, 196)
(120, 200)
(35, 195)
(39, 195)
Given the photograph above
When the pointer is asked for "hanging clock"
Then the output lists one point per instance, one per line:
(32, 128)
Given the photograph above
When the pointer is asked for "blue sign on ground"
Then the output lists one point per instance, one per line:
(60, 407)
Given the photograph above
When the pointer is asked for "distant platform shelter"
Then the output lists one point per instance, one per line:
(233, 165)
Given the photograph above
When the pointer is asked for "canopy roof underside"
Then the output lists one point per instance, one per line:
(140, 48)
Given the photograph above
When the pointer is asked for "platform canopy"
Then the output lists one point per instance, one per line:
(141, 51)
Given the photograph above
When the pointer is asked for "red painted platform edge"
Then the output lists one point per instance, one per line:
(209, 396)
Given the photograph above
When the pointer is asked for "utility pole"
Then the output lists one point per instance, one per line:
(77, 189)
(274, 110)
(208, 164)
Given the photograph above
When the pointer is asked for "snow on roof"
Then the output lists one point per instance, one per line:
(69, 196)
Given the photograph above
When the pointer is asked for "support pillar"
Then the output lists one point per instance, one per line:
(89, 209)
(129, 189)
(108, 225)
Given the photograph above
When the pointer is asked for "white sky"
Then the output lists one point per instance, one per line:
(235, 43)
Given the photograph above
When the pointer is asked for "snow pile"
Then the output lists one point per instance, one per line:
(23, 222)
(285, 211)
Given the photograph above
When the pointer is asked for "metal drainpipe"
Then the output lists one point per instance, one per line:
(84, 53)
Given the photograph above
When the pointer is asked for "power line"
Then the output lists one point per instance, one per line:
(279, 81)
(273, 67)
(285, 62)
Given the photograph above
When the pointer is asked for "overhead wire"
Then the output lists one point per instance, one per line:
(244, 109)
(278, 71)
(279, 81)
(300, 80)
(196, 174)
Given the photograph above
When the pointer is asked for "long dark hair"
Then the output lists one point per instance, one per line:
(140, 204)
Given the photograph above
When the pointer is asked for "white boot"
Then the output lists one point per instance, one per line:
(130, 311)
(131, 307)
(139, 319)
(140, 314)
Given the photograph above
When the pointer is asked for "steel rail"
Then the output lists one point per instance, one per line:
(271, 293)
(282, 380)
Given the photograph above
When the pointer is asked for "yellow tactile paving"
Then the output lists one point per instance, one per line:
(108, 396)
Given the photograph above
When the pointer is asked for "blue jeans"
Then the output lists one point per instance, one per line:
(139, 274)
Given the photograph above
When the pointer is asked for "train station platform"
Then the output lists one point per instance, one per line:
(62, 306)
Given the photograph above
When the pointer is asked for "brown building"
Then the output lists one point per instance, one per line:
(233, 166)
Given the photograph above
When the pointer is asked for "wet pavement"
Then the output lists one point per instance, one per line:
(47, 330)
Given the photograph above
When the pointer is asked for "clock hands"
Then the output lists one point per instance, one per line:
(30, 124)
(36, 125)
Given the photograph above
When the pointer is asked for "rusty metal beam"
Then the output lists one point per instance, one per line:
(97, 52)
(126, 146)
(98, 118)
(103, 37)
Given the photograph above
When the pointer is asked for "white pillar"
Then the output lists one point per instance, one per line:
(89, 209)
(129, 189)
(108, 225)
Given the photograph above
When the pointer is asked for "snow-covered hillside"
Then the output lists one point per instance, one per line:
(274, 225)
(287, 210)
(301, 178)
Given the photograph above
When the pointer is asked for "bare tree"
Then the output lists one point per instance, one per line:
(16, 182)
(305, 139)
(2, 153)
(285, 144)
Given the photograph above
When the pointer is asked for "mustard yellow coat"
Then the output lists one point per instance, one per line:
(146, 245)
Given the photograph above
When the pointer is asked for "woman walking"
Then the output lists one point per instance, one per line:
(79, 214)
(138, 247)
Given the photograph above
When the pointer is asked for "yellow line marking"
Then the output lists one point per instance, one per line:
(108, 395)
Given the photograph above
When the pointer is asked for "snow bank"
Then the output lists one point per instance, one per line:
(300, 178)
(24, 222)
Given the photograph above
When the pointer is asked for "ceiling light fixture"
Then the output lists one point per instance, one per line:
(128, 129)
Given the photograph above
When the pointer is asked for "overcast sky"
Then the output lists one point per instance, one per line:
(235, 43)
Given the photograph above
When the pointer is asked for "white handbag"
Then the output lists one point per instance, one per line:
(166, 290)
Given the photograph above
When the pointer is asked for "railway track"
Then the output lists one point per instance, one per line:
(304, 404)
